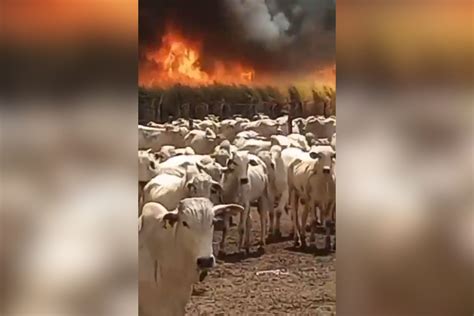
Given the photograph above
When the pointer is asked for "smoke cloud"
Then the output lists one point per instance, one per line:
(278, 37)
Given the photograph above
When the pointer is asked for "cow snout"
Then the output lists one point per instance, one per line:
(244, 181)
(205, 262)
(326, 170)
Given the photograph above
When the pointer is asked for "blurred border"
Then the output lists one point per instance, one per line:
(405, 129)
(68, 147)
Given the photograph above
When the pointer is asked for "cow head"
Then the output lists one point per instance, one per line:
(239, 164)
(211, 168)
(210, 135)
(221, 156)
(202, 185)
(194, 229)
(326, 157)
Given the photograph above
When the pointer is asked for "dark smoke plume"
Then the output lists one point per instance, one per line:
(281, 37)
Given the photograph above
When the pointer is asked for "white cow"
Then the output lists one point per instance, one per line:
(229, 128)
(203, 142)
(168, 151)
(145, 159)
(252, 145)
(322, 127)
(312, 183)
(292, 140)
(207, 124)
(245, 180)
(278, 178)
(264, 127)
(222, 152)
(204, 163)
(170, 187)
(155, 138)
(175, 247)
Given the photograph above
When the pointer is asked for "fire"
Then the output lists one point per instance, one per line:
(326, 75)
(178, 60)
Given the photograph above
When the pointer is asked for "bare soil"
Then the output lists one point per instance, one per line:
(234, 288)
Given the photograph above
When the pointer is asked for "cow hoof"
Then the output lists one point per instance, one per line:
(277, 235)
(297, 243)
(303, 244)
(328, 244)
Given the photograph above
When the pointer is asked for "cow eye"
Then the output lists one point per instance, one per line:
(185, 224)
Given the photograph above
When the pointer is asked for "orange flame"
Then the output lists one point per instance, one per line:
(178, 61)
(326, 76)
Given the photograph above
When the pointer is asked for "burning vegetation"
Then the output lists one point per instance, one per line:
(248, 55)
(258, 42)
(178, 60)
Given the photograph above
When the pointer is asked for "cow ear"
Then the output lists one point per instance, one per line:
(200, 167)
(210, 134)
(190, 185)
(223, 169)
(152, 165)
(253, 162)
(314, 155)
(169, 220)
(158, 156)
(230, 164)
(227, 209)
(216, 186)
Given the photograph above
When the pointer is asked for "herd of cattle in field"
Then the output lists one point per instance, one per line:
(196, 175)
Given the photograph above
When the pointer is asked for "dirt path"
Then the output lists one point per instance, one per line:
(234, 288)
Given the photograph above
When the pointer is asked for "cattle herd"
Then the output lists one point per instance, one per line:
(198, 177)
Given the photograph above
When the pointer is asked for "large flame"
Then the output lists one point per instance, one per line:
(178, 61)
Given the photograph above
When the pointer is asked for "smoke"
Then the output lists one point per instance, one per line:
(259, 24)
(278, 37)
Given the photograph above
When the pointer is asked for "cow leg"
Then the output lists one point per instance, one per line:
(314, 222)
(243, 227)
(296, 224)
(272, 222)
(224, 235)
(329, 222)
(304, 218)
(333, 216)
(248, 229)
(279, 211)
(328, 235)
(325, 219)
(290, 211)
(242, 224)
(262, 210)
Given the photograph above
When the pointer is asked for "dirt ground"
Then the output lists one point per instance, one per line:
(234, 288)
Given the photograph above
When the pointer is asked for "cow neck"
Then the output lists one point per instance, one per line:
(231, 187)
(176, 264)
